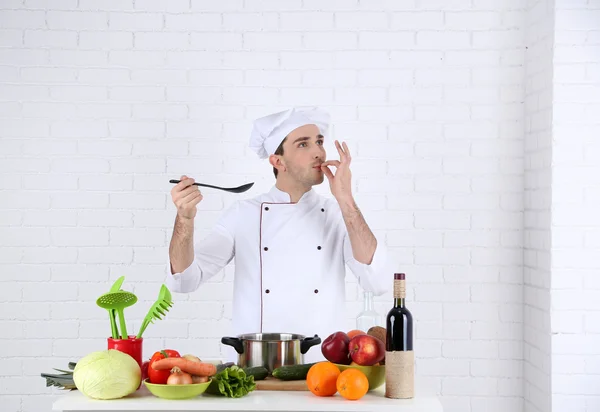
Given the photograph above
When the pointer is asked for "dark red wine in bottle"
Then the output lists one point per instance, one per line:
(399, 354)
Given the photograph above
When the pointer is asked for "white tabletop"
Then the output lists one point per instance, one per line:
(293, 401)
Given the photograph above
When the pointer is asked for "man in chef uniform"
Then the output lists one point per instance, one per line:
(290, 245)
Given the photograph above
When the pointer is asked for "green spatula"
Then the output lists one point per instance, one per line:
(111, 313)
(162, 305)
(118, 301)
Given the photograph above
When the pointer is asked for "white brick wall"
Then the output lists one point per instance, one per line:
(575, 225)
(102, 103)
(538, 203)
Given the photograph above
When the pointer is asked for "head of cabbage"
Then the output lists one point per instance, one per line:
(108, 374)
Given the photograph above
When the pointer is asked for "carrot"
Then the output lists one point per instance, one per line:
(186, 365)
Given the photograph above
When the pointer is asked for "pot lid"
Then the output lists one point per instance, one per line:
(271, 337)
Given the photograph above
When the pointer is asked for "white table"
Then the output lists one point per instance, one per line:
(271, 401)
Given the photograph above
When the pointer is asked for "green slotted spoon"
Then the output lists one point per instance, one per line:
(111, 313)
(162, 305)
(118, 301)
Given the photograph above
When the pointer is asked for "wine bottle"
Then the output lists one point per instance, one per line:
(399, 354)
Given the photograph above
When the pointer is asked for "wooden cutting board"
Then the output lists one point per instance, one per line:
(274, 384)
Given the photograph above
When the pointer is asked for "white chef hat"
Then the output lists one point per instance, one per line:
(269, 131)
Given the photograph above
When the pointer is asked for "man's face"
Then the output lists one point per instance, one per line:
(303, 150)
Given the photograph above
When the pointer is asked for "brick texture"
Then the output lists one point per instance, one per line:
(446, 107)
(575, 226)
(537, 204)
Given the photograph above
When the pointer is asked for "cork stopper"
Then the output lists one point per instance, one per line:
(399, 286)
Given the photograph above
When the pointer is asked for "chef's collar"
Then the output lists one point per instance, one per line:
(279, 196)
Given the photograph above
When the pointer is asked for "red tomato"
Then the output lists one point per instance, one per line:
(145, 369)
(161, 377)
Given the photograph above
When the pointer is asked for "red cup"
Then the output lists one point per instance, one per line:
(131, 346)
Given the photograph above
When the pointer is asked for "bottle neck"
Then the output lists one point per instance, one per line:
(399, 293)
(368, 301)
(399, 302)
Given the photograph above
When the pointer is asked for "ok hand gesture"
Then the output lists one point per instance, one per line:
(340, 183)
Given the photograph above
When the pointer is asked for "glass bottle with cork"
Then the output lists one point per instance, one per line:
(399, 354)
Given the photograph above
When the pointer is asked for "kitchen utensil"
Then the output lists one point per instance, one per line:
(162, 305)
(272, 384)
(271, 350)
(239, 189)
(177, 391)
(111, 312)
(118, 301)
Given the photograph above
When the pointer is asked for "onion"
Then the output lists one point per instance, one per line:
(192, 358)
(195, 378)
(199, 379)
(178, 377)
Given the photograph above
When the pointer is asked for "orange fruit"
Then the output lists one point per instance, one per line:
(321, 378)
(355, 332)
(352, 384)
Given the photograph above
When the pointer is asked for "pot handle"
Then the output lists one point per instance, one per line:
(235, 342)
(308, 342)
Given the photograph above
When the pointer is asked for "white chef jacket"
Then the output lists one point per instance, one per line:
(290, 261)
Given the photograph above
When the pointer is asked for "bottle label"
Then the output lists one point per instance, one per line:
(399, 289)
(400, 374)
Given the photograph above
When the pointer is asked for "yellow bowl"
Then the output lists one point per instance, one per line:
(176, 391)
(375, 374)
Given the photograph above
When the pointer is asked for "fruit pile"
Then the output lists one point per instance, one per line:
(325, 379)
(356, 347)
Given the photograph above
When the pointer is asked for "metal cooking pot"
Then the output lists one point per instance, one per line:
(271, 350)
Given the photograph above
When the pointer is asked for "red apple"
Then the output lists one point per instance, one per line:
(366, 350)
(335, 348)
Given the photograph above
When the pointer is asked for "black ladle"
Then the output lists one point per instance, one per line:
(239, 189)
